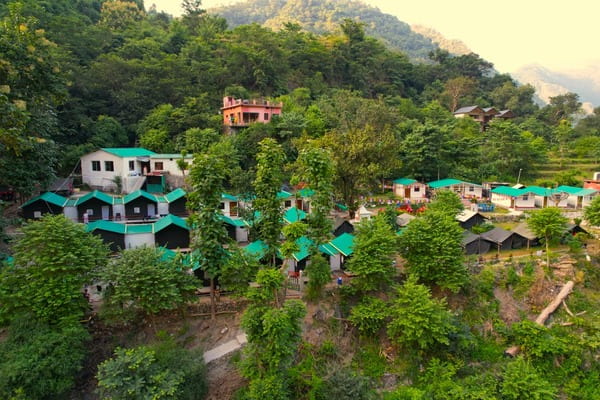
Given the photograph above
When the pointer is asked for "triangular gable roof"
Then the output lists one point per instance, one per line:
(175, 195)
(505, 114)
(497, 235)
(226, 196)
(404, 181)
(490, 111)
(304, 245)
(468, 109)
(293, 215)
(466, 215)
(344, 244)
(170, 220)
(282, 195)
(108, 226)
(96, 195)
(48, 197)
(328, 249)
(469, 237)
(363, 211)
(128, 151)
(139, 193)
(306, 192)
(237, 222)
(257, 249)
(524, 230)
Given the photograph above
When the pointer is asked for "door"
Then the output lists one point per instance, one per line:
(151, 210)
(407, 193)
(105, 212)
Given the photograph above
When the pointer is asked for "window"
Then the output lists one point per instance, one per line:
(89, 212)
(416, 189)
(132, 165)
(109, 166)
(95, 165)
(158, 165)
(136, 210)
(471, 188)
(266, 116)
(525, 197)
(288, 203)
(37, 214)
(222, 206)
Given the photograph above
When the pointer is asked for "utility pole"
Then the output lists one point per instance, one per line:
(519, 177)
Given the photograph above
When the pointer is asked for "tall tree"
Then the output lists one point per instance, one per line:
(373, 258)
(269, 177)
(53, 260)
(432, 248)
(142, 281)
(592, 212)
(207, 176)
(548, 223)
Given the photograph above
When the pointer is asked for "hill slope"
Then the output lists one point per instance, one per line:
(325, 16)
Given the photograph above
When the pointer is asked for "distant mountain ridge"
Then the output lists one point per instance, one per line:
(321, 16)
(454, 46)
(584, 81)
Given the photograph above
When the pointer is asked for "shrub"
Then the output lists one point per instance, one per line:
(369, 315)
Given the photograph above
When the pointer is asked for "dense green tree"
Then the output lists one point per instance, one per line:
(52, 262)
(418, 319)
(446, 202)
(269, 178)
(162, 371)
(207, 177)
(39, 361)
(549, 224)
(369, 315)
(143, 281)
(591, 213)
(521, 380)
(431, 246)
(560, 107)
(374, 250)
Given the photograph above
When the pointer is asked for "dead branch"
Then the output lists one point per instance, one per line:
(209, 314)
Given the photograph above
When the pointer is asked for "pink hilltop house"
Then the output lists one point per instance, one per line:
(241, 113)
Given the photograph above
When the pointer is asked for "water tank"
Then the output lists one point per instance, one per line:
(597, 176)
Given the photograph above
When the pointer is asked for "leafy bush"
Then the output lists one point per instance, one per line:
(163, 371)
(522, 381)
(369, 315)
(369, 361)
(40, 361)
(419, 320)
(345, 384)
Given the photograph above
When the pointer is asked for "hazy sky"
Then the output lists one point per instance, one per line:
(510, 33)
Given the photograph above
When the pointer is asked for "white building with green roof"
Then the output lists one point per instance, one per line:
(132, 165)
(410, 189)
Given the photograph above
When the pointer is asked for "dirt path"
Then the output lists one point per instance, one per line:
(225, 348)
(509, 308)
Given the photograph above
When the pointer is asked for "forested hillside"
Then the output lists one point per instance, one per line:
(323, 16)
(87, 74)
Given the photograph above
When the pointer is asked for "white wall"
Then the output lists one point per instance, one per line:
(170, 165)
(71, 213)
(335, 262)
(102, 179)
(162, 208)
(501, 200)
(139, 240)
(520, 201)
(241, 234)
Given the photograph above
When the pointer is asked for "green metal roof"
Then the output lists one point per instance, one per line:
(304, 244)
(293, 215)
(405, 181)
(328, 249)
(140, 228)
(175, 195)
(168, 254)
(306, 192)
(170, 220)
(282, 195)
(172, 155)
(229, 197)
(117, 200)
(128, 151)
(108, 226)
(95, 195)
(541, 191)
(139, 193)
(257, 248)
(48, 197)
(449, 182)
(343, 244)
(576, 191)
(509, 191)
(71, 203)
(238, 222)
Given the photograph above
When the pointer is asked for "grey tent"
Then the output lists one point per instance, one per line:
(404, 219)
(503, 239)
(468, 219)
(475, 244)
(531, 238)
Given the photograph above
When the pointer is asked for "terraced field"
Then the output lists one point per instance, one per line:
(585, 166)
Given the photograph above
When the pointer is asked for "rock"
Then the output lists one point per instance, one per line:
(319, 315)
(224, 330)
(389, 381)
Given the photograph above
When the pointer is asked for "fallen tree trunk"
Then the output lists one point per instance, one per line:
(541, 319)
